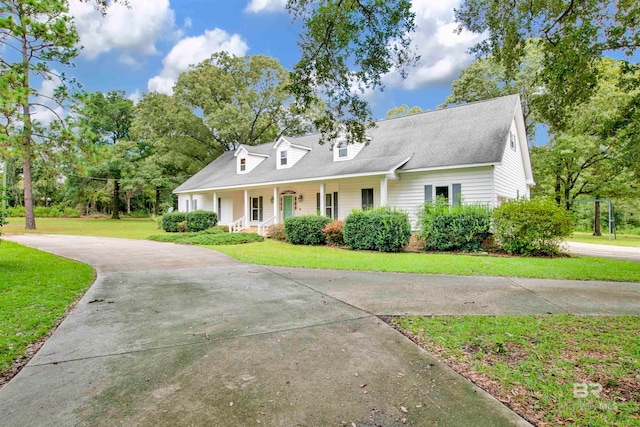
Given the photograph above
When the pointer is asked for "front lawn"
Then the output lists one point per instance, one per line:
(553, 370)
(123, 228)
(36, 290)
(286, 255)
(621, 240)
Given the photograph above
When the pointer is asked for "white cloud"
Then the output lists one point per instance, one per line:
(133, 31)
(47, 109)
(257, 6)
(443, 53)
(135, 96)
(191, 51)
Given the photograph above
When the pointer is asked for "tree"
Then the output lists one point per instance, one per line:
(35, 35)
(587, 158)
(486, 78)
(348, 46)
(103, 122)
(572, 36)
(402, 111)
(216, 106)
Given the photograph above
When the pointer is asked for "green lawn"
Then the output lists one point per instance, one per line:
(287, 255)
(622, 239)
(553, 370)
(124, 228)
(36, 290)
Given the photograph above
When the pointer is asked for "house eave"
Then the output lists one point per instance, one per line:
(439, 168)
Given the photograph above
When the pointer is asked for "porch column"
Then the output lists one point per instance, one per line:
(215, 203)
(323, 201)
(383, 192)
(246, 208)
(276, 202)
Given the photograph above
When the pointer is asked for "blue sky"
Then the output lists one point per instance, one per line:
(145, 47)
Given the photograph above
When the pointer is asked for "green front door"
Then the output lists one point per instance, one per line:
(287, 206)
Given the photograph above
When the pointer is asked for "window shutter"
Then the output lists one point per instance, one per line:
(457, 194)
(335, 205)
(428, 193)
(317, 202)
(260, 209)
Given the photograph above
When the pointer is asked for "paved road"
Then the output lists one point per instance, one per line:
(607, 251)
(175, 335)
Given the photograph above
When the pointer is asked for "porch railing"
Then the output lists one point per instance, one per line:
(264, 224)
(237, 226)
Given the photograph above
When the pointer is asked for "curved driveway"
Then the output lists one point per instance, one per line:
(177, 335)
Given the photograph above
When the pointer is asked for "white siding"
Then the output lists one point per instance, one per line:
(226, 208)
(350, 194)
(510, 180)
(293, 155)
(251, 163)
(407, 193)
(352, 151)
(182, 202)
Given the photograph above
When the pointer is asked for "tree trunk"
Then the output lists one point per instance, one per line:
(115, 200)
(557, 192)
(157, 200)
(596, 219)
(30, 218)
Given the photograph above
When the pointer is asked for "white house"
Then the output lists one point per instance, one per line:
(475, 153)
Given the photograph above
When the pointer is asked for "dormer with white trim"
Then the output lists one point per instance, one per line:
(247, 161)
(288, 154)
(344, 151)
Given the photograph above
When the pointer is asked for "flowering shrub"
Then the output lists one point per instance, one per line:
(333, 231)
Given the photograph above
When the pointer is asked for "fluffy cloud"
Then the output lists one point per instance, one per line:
(132, 31)
(47, 110)
(257, 6)
(443, 53)
(193, 50)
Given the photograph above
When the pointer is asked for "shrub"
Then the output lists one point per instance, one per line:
(201, 220)
(453, 228)
(276, 232)
(333, 232)
(71, 213)
(306, 229)
(170, 221)
(208, 237)
(14, 212)
(181, 227)
(221, 228)
(531, 227)
(381, 229)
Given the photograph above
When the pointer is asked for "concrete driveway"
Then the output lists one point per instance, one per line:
(174, 335)
(629, 253)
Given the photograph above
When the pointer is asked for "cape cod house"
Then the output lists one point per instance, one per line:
(474, 153)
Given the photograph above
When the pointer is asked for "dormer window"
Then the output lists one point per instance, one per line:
(343, 150)
(283, 157)
(243, 165)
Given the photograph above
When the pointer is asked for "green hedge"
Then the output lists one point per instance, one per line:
(306, 229)
(195, 221)
(208, 237)
(453, 228)
(531, 227)
(381, 229)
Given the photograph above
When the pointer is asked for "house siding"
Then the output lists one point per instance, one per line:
(510, 180)
(407, 192)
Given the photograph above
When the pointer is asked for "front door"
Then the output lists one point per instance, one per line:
(287, 206)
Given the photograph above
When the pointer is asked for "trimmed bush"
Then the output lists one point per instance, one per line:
(171, 220)
(531, 227)
(15, 212)
(71, 213)
(306, 229)
(276, 232)
(201, 220)
(208, 237)
(453, 228)
(334, 233)
(193, 221)
(381, 229)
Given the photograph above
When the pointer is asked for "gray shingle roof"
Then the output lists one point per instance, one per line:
(469, 134)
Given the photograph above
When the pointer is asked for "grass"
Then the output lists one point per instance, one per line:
(622, 239)
(581, 268)
(555, 370)
(208, 237)
(36, 290)
(123, 228)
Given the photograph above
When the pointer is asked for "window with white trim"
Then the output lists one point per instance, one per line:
(283, 158)
(367, 198)
(343, 149)
(243, 165)
(195, 204)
